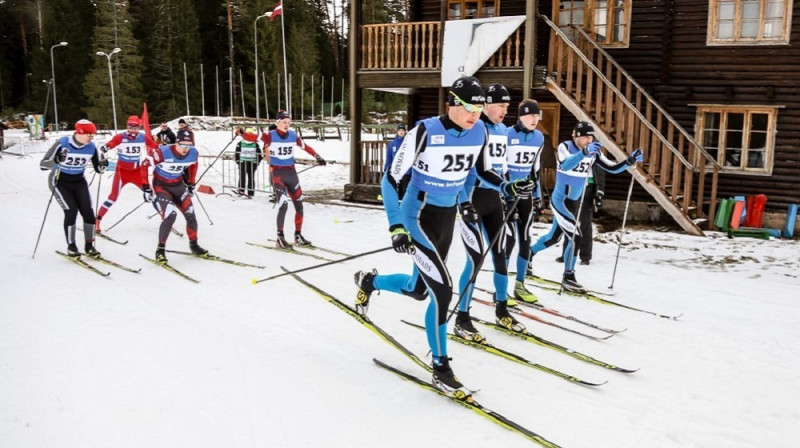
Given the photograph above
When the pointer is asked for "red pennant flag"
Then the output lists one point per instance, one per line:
(145, 120)
(276, 12)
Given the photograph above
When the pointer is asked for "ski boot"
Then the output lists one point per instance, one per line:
(365, 288)
(300, 240)
(445, 380)
(570, 284)
(465, 329)
(72, 250)
(522, 293)
(503, 318)
(281, 242)
(196, 249)
(161, 254)
(91, 250)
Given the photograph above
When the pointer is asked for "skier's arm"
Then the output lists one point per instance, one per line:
(191, 173)
(404, 158)
(305, 147)
(116, 140)
(149, 142)
(49, 160)
(483, 168)
(566, 160)
(607, 165)
(237, 152)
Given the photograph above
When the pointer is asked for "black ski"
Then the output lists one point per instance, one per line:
(313, 247)
(489, 348)
(470, 403)
(364, 320)
(290, 250)
(112, 263)
(80, 262)
(216, 258)
(106, 237)
(530, 337)
(166, 266)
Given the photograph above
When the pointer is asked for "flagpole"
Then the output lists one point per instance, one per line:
(285, 77)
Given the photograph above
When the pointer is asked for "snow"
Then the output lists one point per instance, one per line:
(152, 360)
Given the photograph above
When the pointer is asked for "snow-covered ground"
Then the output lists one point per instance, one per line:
(152, 360)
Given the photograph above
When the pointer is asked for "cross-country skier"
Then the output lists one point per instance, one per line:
(281, 143)
(575, 160)
(248, 155)
(132, 147)
(173, 182)
(483, 215)
(440, 153)
(67, 159)
(524, 156)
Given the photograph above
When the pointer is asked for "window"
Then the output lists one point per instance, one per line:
(607, 21)
(472, 9)
(749, 22)
(740, 138)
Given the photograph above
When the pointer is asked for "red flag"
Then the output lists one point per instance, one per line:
(276, 12)
(145, 120)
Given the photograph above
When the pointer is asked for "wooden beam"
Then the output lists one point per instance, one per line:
(529, 57)
(355, 90)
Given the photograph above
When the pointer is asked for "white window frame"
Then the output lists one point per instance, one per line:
(736, 40)
(590, 12)
(747, 110)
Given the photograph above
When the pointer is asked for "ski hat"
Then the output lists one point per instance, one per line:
(468, 89)
(283, 115)
(401, 126)
(583, 128)
(497, 93)
(250, 135)
(85, 127)
(181, 121)
(184, 136)
(529, 109)
(133, 120)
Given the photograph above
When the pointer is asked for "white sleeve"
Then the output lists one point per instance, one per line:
(404, 158)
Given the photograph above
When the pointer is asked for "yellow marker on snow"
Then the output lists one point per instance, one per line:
(255, 281)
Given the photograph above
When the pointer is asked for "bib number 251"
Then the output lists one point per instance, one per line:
(458, 162)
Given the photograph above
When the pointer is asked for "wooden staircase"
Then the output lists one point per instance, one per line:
(591, 85)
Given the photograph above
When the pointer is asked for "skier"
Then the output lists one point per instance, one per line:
(440, 152)
(282, 143)
(575, 160)
(173, 182)
(248, 155)
(67, 159)
(592, 204)
(524, 154)
(131, 147)
(483, 214)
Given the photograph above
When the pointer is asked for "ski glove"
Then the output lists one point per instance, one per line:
(636, 156)
(147, 193)
(190, 189)
(401, 240)
(102, 153)
(320, 160)
(102, 164)
(468, 213)
(519, 187)
(61, 156)
(593, 149)
(598, 201)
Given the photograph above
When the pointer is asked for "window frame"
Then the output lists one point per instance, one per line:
(589, 12)
(748, 111)
(713, 25)
(480, 8)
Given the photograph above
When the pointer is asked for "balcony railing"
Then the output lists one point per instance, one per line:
(418, 46)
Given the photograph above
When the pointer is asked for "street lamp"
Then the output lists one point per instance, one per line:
(255, 44)
(111, 82)
(53, 79)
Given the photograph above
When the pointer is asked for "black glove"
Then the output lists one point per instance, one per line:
(401, 240)
(519, 187)
(468, 213)
(102, 164)
(61, 156)
(598, 201)
(514, 216)
(537, 205)
(636, 156)
(320, 160)
(147, 193)
(190, 189)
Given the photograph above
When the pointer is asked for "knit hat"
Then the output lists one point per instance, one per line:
(250, 135)
(529, 109)
(584, 128)
(184, 136)
(283, 115)
(85, 127)
(468, 89)
(401, 126)
(181, 121)
(497, 93)
(133, 120)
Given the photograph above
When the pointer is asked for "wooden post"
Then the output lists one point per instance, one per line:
(442, 20)
(355, 91)
(529, 60)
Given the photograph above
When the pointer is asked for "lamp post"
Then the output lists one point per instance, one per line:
(255, 44)
(53, 79)
(111, 81)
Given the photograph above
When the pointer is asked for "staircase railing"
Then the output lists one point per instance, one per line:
(607, 94)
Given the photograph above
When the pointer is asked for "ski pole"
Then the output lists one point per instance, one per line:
(97, 201)
(306, 169)
(622, 230)
(211, 223)
(256, 281)
(215, 160)
(126, 215)
(52, 193)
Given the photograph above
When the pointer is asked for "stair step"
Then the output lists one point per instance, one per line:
(699, 221)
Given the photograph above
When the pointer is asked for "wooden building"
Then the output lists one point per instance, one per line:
(708, 88)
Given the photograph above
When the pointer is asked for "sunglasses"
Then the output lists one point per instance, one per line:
(471, 108)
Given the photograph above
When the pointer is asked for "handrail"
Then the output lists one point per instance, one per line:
(622, 97)
(650, 99)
